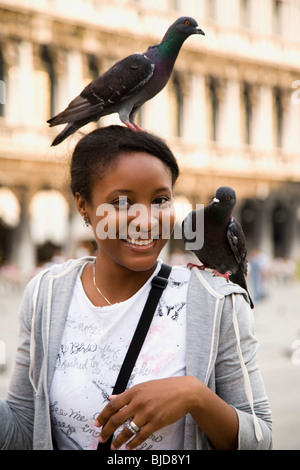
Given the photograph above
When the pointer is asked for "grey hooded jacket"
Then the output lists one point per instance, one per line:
(221, 352)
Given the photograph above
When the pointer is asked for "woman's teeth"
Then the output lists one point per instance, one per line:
(139, 242)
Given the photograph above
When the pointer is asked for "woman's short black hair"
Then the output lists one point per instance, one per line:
(100, 149)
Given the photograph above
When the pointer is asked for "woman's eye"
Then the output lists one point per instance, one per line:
(162, 202)
(122, 202)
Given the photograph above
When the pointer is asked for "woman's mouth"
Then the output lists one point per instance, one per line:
(136, 242)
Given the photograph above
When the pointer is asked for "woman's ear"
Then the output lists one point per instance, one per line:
(82, 209)
(81, 204)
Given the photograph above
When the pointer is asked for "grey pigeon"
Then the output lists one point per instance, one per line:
(224, 247)
(128, 84)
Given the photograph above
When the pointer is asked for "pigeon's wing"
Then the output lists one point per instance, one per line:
(193, 231)
(237, 243)
(122, 80)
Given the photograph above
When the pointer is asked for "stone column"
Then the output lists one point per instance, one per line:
(195, 118)
(74, 82)
(26, 84)
(10, 53)
(264, 121)
(23, 247)
(231, 123)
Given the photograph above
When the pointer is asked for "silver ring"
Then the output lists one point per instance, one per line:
(133, 427)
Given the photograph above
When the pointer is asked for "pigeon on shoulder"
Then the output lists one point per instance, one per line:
(128, 84)
(224, 248)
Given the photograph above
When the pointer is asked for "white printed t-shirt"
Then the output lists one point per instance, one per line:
(93, 346)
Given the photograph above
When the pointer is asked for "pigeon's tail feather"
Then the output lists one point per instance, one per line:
(80, 108)
(55, 121)
(68, 130)
(62, 118)
(239, 278)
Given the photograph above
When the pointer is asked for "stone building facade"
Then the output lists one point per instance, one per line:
(231, 112)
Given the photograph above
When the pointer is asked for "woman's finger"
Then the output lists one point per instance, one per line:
(140, 437)
(132, 438)
(113, 416)
(125, 435)
(114, 422)
(116, 403)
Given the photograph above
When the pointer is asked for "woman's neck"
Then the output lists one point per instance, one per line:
(116, 283)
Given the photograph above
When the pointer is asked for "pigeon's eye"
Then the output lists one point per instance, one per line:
(187, 23)
(228, 198)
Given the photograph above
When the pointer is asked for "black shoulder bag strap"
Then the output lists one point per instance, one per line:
(159, 283)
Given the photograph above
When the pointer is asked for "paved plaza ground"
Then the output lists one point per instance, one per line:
(278, 331)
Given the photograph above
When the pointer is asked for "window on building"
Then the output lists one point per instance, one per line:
(278, 17)
(245, 17)
(48, 67)
(2, 85)
(93, 67)
(175, 4)
(214, 107)
(178, 105)
(211, 9)
(247, 113)
(278, 116)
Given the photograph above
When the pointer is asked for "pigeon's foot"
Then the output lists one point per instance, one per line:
(137, 128)
(226, 275)
(199, 266)
(134, 127)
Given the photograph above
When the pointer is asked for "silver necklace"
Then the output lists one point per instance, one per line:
(94, 281)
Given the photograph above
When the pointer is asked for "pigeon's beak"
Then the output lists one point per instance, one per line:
(199, 31)
(215, 200)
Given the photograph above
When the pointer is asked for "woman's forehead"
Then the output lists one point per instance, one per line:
(135, 166)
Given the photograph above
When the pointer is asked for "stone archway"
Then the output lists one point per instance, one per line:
(281, 230)
(49, 223)
(10, 212)
(251, 221)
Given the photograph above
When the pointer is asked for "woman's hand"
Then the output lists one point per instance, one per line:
(151, 406)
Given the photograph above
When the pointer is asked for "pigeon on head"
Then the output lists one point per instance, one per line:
(224, 248)
(128, 84)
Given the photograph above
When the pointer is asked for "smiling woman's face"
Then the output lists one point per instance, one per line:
(136, 181)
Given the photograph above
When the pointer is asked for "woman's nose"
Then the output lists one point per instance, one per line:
(142, 221)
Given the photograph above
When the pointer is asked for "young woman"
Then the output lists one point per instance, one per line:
(190, 388)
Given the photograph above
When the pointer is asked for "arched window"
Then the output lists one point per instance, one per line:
(10, 216)
(281, 228)
(251, 219)
(49, 217)
(10, 210)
